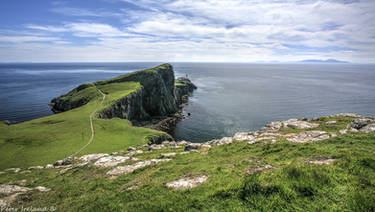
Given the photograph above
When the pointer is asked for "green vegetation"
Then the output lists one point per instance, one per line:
(293, 185)
(45, 140)
(182, 81)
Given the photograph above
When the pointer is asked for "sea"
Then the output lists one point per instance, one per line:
(231, 97)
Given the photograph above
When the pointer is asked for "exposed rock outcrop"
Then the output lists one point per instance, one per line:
(187, 182)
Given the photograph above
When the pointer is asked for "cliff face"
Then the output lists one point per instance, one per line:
(157, 98)
(183, 88)
(75, 98)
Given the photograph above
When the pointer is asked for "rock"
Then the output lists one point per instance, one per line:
(6, 201)
(137, 152)
(67, 161)
(58, 163)
(272, 127)
(344, 131)
(370, 128)
(259, 169)
(184, 153)
(166, 143)
(204, 147)
(132, 187)
(36, 167)
(321, 161)
(9, 189)
(49, 166)
(251, 142)
(167, 155)
(73, 167)
(19, 182)
(180, 143)
(92, 157)
(156, 147)
(187, 182)
(145, 145)
(2, 172)
(243, 136)
(331, 122)
(25, 172)
(309, 136)
(360, 123)
(42, 189)
(192, 146)
(224, 140)
(109, 161)
(120, 170)
(6, 122)
(114, 153)
(296, 124)
(15, 170)
(131, 148)
(352, 115)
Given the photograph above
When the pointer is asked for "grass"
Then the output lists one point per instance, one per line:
(45, 140)
(294, 185)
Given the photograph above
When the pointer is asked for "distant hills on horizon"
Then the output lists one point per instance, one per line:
(322, 61)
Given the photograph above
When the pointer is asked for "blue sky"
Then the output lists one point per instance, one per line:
(186, 30)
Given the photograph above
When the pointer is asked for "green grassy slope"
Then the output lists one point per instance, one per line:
(294, 185)
(45, 140)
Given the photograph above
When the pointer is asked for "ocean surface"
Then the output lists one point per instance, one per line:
(229, 98)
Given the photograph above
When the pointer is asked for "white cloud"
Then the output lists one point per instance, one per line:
(214, 30)
(21, 39)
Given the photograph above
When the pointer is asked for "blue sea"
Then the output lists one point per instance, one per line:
(229, 98)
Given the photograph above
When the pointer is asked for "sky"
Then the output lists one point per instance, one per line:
(186, 30)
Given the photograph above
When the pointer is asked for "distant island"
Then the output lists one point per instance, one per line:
(323, 61)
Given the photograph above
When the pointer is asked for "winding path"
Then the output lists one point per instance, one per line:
(91, 124)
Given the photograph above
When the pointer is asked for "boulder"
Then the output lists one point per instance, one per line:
(273, 126)
(9, 189)
(111, 161)
(42, 189)
(92, 157)
(261, 168)
(137, 152)
(297, 124)
(15, 170)
(204, 147)
(309, 136)
(343, 131)
(370, 128)
(36, 167)
(218, 142)
(192, 146)
(168, 155)
(131, 148)
(58, 163)
(331, 122)
(360, 123)
(321, 161)
(49, 166)
(187, 182)
(243, 136)
(120, 170)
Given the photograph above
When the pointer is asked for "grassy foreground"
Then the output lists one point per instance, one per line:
(45, 140)
(293, 185)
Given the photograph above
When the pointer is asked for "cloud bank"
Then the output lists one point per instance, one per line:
(208, 30)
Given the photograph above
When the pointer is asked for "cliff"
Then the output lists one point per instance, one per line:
(158, 97)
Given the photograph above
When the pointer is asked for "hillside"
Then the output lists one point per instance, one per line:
(324, 164)
(135, 97)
